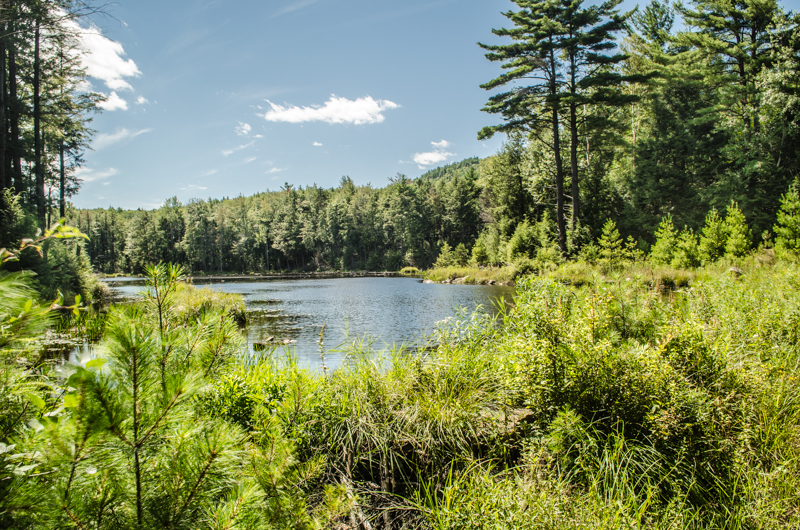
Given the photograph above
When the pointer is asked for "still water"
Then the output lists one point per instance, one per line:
(384, 311)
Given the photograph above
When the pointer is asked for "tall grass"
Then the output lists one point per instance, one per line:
(610, 405)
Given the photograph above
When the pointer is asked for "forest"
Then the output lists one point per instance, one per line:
(645, 201)
(631, 117)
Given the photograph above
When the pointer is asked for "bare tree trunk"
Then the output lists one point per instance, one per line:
(37, 126)
(16, 159)
(560, 222)
(573, 160)
(5, 175)
(62, 197)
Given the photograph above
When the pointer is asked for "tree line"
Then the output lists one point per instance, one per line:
(607, 116)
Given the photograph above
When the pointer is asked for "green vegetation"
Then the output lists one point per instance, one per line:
(647, 374)
(606, 405)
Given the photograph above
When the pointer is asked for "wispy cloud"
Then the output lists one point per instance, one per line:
(250, 159)
(89, 175)
(276, 170)
(243, 129)
(193, 187)
(141, 100)
(336, 110)
(103, 58)
(106, 139)
(317, 144)
(113, 102)
(294, 6)
(229, 152)
(209, 173)
(433, 157)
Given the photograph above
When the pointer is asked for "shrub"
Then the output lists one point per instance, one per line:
(461, 255)
(713, 238)
(612, 252)
(446, 257)
(480, 254)
(740, 238)
(787, 229)
(687, 251)
(523, 243)
(666, 238)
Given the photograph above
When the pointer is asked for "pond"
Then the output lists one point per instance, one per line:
(387, 312)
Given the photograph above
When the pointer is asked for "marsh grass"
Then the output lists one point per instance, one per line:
(474, 275)
(608, 403)
(615, 404)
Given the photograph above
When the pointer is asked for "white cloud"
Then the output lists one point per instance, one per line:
(433, 157)
(317, 144)
(103, 57)
(113, 102)
(209, 173)
(248, 160)
(276, 170)
(228, 152)
(258, 136)
(106, 139)
(243, 129)
(193, 187)
(141, 100)
(88, 175)
(336, 110)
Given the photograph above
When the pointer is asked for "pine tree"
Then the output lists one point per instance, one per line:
(740, 238)
(787, 229)
(713, 238)
(612, 251)
(663, 250)
(560, 45)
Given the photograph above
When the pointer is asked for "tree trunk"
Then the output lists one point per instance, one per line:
(573, 144)
(37, 118)
(560, 222)
(573, 160)
(13, 106)
(5, 175)
(62, 192)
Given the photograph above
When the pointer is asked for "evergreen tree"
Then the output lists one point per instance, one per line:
(787, 229)
(561, 46)
(666, 238)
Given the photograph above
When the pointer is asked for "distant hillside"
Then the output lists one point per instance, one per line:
(452, 169)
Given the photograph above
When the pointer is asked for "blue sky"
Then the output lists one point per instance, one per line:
(213, 98)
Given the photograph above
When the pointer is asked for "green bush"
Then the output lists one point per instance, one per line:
(686, 254)
(523, 243)
(787, 229)
(740, 238)
(663, 250)
(480, 254)
(713, 238)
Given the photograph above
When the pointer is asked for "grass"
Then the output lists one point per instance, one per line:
(191, 302)
(645, 397)
(599, 403)
(473, 275)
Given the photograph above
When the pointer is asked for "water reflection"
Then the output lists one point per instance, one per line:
(387, 311)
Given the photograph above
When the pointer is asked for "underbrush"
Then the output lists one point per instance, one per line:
(603, 403)
(606, 406)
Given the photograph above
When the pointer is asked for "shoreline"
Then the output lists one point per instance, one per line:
(284, 276)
